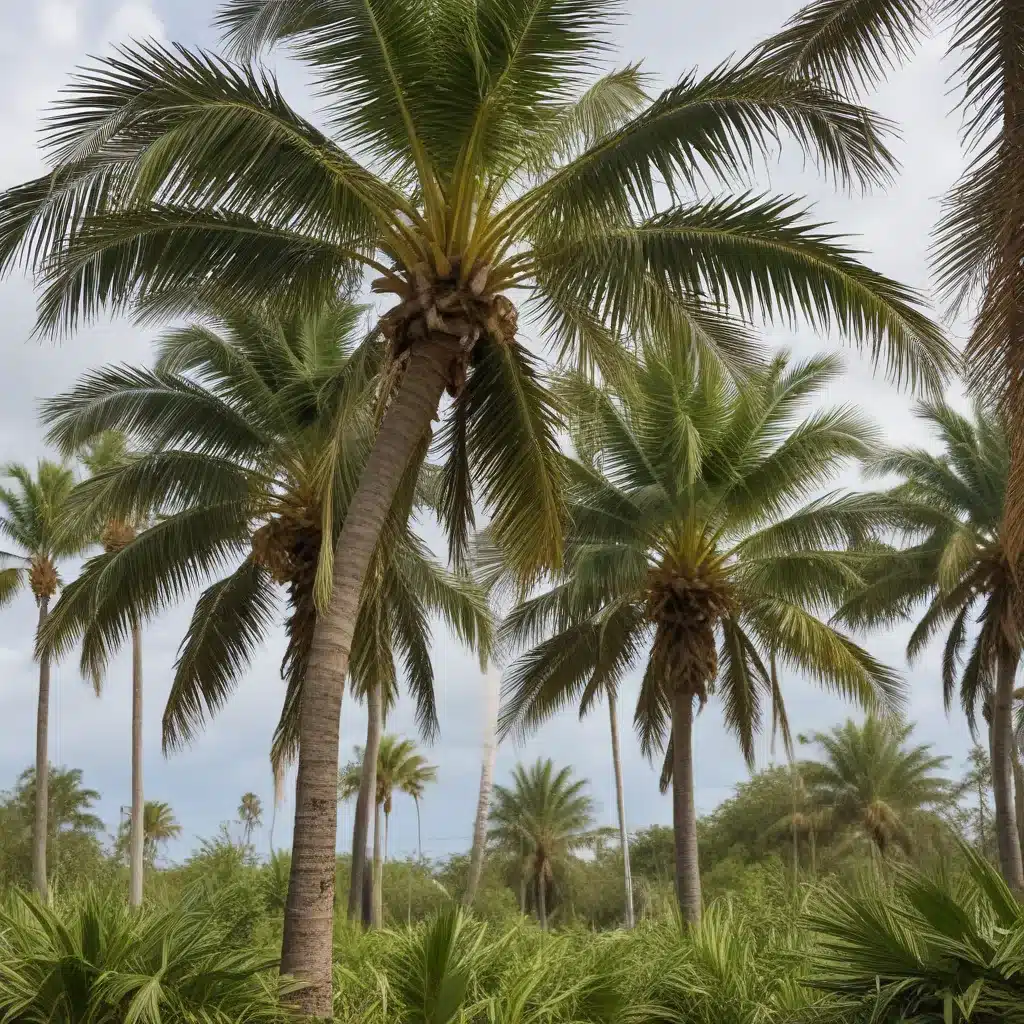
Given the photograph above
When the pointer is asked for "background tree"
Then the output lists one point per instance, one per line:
(952, 562)
(250, 814)
(160, 826)
(543, 817)
(694, 552)
(35, 519)
(176, 175)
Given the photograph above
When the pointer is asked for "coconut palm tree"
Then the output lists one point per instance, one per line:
(249, 436)
(849, 45)
(543, 816)
(954, 570)
(34, 518)
(158, 826)
(469, 154)
(694, 553)
(399, 768)
(250, 814)
(870, 784)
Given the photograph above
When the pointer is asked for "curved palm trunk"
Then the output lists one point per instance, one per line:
(40, 821)
(684, 815)
(620, 803)
(1007, 836)
(309, 916)
(136, 854)
(377, 908)
(483, 802)
(365, 800)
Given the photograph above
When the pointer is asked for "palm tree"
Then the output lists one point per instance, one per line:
(250, 814)
(483, 803)
(104, 452)
(847, 45)
(178, 176)
(544, 816)
(158, 826)
(399, 768)
(955, 566)
(249, 436)
(871, 784)
(694, 552)
(34, 517)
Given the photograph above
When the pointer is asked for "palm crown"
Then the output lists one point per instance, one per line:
(250, 434)
(399, 767)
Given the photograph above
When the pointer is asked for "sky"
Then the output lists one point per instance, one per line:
(40, 44)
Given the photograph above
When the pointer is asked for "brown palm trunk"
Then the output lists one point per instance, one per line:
(1018, 793)
(309, 916)
(1007, 836)
(684, 815)
(40, 822)
(366, 800)
(483, 801)
(542, 898)
(620, 803)
(136, 853)
(377, 910)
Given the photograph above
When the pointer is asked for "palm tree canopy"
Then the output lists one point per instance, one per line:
(545, 814)
(248, 438)
(871, 781)
(399, 767)
(467, 152)
(69, 803)
(159, 823)
(33, 517)
(697, 549)
(951, 568)
(250, 809)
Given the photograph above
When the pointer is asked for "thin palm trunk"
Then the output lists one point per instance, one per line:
(542, 897)
(307, 945)
(366, 798)
(483, 801)
(1018, 792)
(522, 891)
(378, 870)
(136, 855)
(620, 803)
(1002, 773)
(684, 816)
(419, 832)
(40, 822)
(387, 832)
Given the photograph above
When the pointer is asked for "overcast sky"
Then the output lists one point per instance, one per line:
(40, 43)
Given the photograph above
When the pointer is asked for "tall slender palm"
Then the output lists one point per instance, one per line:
(544, 816)
(979, 241)
(955, 570)
(250, 814)
(483, 803)
(33, 516)
(694, 552)
(249, 437)
(496, 165)
(159, 826)
(107, 451)
(399, 768)
(872, 784)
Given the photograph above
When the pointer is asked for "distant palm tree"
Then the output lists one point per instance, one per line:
(951, 570)
(34, 516)
(159, 826)
(491, 681)
(399, 768)
(871, 784)
(544, 816)
(695, 555)
(250, 814)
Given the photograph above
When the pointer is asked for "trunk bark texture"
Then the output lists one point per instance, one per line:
(620, 802)
(483, 803)
(366, 799)
(41, 819)
(684, 817)
(306, 948)
(378, 870)
(1002, 773)
(136, 853)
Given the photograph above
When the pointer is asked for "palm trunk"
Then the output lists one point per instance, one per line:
(378, 871)
(542, 899)
(366, 799)
(309, 916)
(796, 859)
(40, 822)
(419, 832)
(522, 890)
(387, 831)
(136, 854)
(620, 802)
(1002, 773)
(483, 802)
(1018, 793)
(684, 815)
